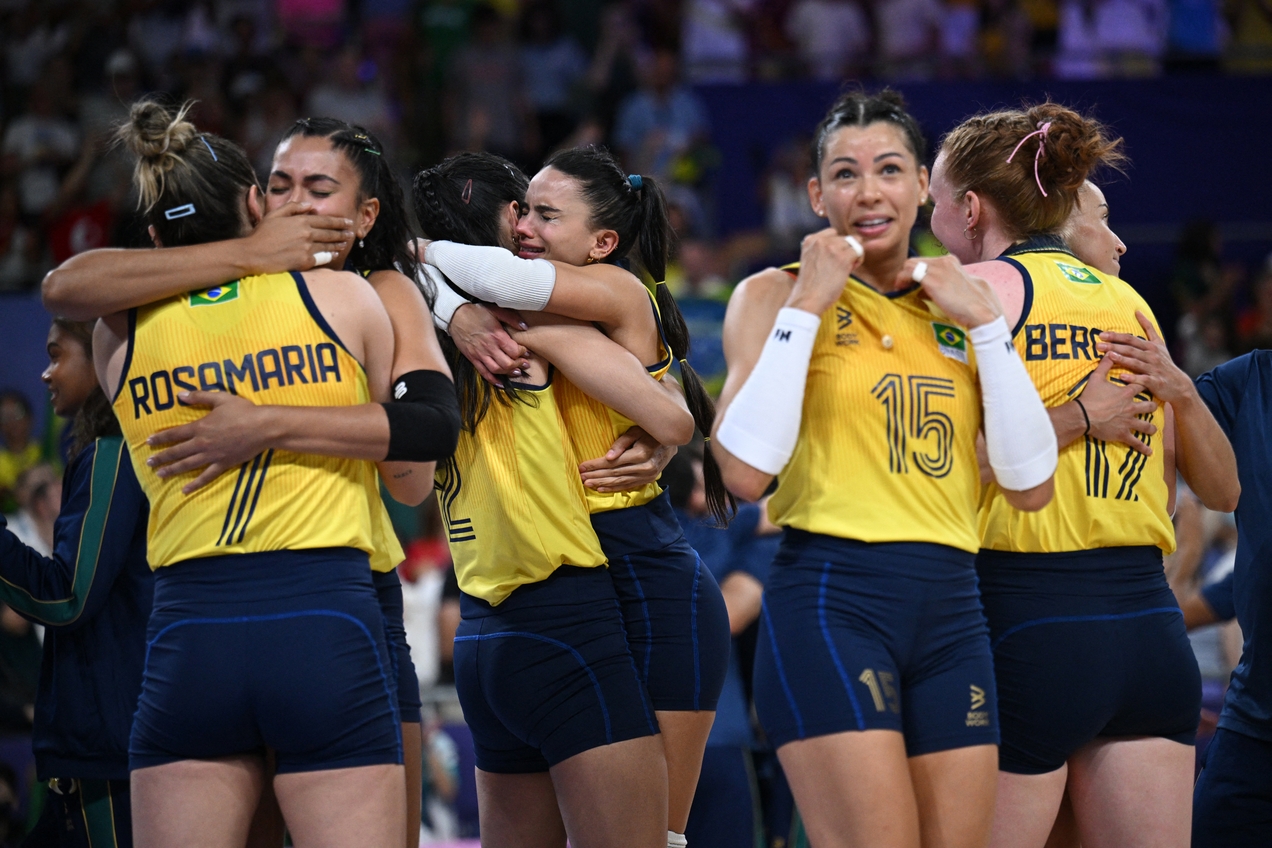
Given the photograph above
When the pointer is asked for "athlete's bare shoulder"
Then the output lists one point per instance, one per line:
(761, 294)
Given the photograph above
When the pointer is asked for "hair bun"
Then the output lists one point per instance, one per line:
(159, 138)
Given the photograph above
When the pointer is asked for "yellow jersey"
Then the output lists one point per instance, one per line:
(592, 427)
(1106, 495)
(262, 338)
(512, 500)
(887, 441)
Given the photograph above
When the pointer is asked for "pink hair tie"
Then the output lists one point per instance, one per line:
(1041, 132)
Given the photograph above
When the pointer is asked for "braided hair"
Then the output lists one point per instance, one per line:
(462, 200)
(386, 246)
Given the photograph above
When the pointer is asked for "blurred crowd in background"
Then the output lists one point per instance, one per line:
(522, 78)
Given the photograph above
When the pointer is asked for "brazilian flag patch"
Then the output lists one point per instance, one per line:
(218, 294)
(951, 340)
(1078, 274)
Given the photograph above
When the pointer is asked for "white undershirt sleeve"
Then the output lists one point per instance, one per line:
(1019, 437)
(494, 274)
(445, 299)
(761, 425)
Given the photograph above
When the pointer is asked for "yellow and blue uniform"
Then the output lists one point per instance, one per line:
(388, 589)
(93, 596)
(676, 620)
(1063, 584)
(542, 666)
(266, 630)
(871, 619)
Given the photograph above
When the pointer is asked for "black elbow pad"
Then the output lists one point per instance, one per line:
(423, 418)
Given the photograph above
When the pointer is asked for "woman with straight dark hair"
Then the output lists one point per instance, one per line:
(583, 217)
(861, 380)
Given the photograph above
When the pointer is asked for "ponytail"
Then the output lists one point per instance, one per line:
(634, 207)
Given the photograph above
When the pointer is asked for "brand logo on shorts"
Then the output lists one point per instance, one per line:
(978, 697)
(213, 296)
(1078, 274)
(951, 340)
(977, 717)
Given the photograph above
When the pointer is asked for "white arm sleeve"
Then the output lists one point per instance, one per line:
(1018, 433)
(761, 426)
(495, 274)
(445, 299)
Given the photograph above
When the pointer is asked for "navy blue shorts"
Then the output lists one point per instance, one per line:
(282, 650)
(1086, 644)
(887, 636)
(388, 588)
(677, 624)
(547, 674)
(1232, 801)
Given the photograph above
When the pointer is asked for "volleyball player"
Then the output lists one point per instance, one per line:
(337, 172)
(266, 630)
(1097, 681)
(864, 394)
(93, 596)
(563, 726)
(584, 215)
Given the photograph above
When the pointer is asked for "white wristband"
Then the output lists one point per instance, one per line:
(761, 425)
(445, 299)
(494, 274)
(1019, 437)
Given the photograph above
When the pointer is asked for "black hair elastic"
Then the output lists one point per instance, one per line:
(1085, 417)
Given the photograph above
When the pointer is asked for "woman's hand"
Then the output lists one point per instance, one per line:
(967, 300)
(230, 434)
(1113, 410)
(1149, 360)
(826, 260)
(288, 238)
(478, 331)
(634, 460)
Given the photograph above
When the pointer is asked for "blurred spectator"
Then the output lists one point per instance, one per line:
(154, 33)
(659, 124)
(1250, 48)
(19, 243)
(32, 40)
(832, 37)
(488, 106)
(713, 41)
(38, 148)
(441, 784)
(788, 215)
(1132, 35)
(19, 671)
(960, 30)
(612, 75)
(1254, 325)
(553, 65)
(18, 451)
(1006, 34)
(268, 114)
(352, 93)
(246, 70)
(908, 33)
(38, 493)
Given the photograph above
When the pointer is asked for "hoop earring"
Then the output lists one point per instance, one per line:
(971, 237)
